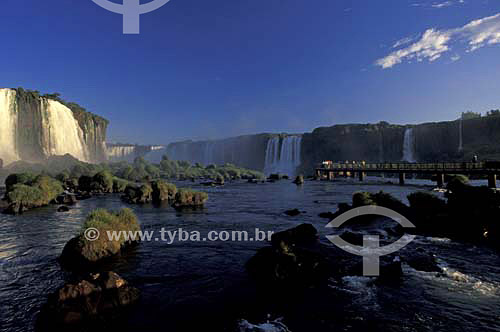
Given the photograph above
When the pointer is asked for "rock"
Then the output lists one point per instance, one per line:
(390, 272)
(275, 177)
(87, 301)
(422, 261)
(81, 252)
(187, 198)
(327, 215)
(299, 180)
(66, 198)
(293, 259)
(63, 208)
(292, 213)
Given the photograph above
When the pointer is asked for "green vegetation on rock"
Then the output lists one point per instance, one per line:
(190, 198)
(82, 250)
(26, 191)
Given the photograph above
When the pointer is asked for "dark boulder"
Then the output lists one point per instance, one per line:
(87, 301)
(67, 199)
(299, 180)
(293, 259)
(292, 213)
(422, 261)
(63, 208)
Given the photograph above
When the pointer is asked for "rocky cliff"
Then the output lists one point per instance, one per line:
(34, 127)
(383, 142)
(245, 151)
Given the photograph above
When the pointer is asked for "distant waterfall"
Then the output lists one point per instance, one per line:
(208, 153)
(460, 135)
(283, 155)
(125, 152)
(8, 126)
(409, 146)
(62, 132)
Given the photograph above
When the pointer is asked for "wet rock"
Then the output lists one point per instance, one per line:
(292, 213)
(293, 259)
(299, 180)
(66, 198)
(87, 249)
(63, 208)
(422, 261)
(87, 301)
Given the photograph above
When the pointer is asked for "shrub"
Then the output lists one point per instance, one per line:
(102, 182)
(138, 195)
(37, 192)
(163, 191)
(19, 178)
(426, 203)
(190, 198)
(362, 198)
(119, 185)
(80, 249)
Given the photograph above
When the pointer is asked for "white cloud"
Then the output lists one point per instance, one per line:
(442, 4)
(434, 43)
(403, 41)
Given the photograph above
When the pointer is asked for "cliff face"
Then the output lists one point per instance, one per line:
(370, 142)
(35, 127)
(382, 142)
(128, 152)
(245, 151)
(429, 142)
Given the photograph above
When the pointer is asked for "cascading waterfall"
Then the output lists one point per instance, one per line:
(62, 132)
(460, 135)
(286, 159)
(208, 154)
(8, 125)
(120, 152)
(409, 146)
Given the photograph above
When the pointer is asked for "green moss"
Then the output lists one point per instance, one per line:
(163, 191)
(190, 198)
(105, 221)
(362, 198)
(26, 191)
(102, 182)
(119, 185)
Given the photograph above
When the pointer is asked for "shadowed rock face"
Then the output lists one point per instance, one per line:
(41, 127)
(86, 302)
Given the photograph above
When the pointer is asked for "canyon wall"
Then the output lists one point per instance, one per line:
(34, 127)
(382, 142)
(128, 152)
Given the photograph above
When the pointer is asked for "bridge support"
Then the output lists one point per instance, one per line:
(440, 180)
(492, 181)
(362, 176)
(402, 179)
(318, 174)
(331, 175)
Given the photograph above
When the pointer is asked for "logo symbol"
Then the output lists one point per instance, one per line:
(131, 11)
(91, 234)
(371, 250)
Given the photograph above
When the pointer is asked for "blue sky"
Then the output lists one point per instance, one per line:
(209, 69)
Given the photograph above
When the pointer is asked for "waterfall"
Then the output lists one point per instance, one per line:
(286, 159)
(208, 153)
(460, 135)
(8, 126)
(121, 152)
(61, 131)
(409, 146)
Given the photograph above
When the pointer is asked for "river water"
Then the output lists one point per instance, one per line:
(203, 285)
